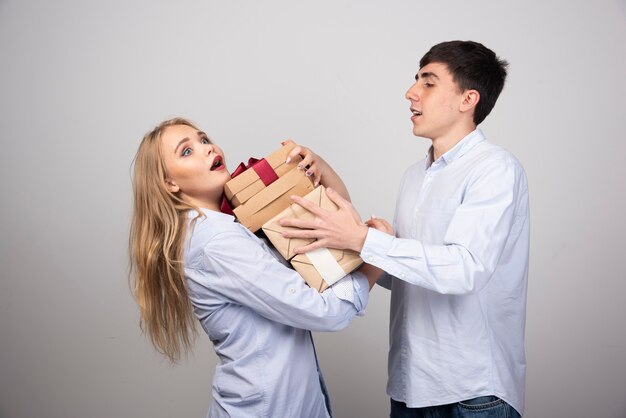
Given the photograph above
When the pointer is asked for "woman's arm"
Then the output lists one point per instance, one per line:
(318, 169)
(237, 268)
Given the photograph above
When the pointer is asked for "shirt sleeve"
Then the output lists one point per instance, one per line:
(237, 268)
(473, 243)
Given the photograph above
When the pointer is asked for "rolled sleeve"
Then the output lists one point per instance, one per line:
(353, 288)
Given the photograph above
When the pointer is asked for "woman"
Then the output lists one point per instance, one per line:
(187, 257)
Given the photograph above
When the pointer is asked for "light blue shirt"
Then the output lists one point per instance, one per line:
(460, 267)
(258, 313)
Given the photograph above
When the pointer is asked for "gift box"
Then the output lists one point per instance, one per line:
(322, 267)
(272, 199)
(248, 180)
(262, 189)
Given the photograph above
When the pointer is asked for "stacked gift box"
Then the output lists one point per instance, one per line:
(321, 267)
(265, 187)
(260, 195)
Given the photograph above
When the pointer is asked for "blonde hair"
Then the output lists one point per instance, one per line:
(156, 244)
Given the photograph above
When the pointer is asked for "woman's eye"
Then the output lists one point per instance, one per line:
(186, 152)
(206, 141)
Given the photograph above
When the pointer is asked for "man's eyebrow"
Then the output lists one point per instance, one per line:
(426, 75)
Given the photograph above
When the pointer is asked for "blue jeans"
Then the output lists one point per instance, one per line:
(482, 407)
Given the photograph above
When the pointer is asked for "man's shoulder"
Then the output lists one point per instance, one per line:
(489, 153)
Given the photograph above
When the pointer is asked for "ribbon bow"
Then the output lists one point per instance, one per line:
(263, 169)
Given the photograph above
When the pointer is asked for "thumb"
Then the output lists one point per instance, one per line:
(342, 203)
(336, 198)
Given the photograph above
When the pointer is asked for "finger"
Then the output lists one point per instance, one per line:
(313, 171)
(312, 246)
(297, 224)
(309, 206)
(307, 160)
(336, 198)
(293, 153)
(376, 225)
(341, 202)
(310, 234)
(372, 223)
(287, 141)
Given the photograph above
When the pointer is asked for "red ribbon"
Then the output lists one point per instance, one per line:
(263, 169)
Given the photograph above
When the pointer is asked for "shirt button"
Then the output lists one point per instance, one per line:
(370, 258)
(292, 290)
(404, 350)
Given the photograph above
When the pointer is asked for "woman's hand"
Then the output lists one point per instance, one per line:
(311, 162)
(380, 224)
(318, 170)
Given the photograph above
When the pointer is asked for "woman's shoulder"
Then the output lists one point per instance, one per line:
(215, 230)
(208, 225)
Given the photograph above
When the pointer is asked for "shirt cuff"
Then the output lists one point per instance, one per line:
(376, 247)
(353, 288)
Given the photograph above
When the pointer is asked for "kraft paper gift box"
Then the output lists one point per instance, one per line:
(249, 180)
(322, 267)
(272, 199)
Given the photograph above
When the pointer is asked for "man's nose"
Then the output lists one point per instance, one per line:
(411, 93)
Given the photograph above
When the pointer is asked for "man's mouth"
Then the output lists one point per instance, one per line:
(217, 163)
(416, 112)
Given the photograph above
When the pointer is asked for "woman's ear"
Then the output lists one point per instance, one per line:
(172, 187)
(470, 100)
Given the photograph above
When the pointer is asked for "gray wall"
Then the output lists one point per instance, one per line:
(82, 81)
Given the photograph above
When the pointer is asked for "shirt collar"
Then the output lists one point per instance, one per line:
(463, 146)
(211, 214)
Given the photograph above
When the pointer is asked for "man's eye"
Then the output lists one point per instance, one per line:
(186, 152)
(428, 85)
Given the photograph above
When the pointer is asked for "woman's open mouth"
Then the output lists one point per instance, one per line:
(217, 163)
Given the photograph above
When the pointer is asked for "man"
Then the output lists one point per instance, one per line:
(457, 266)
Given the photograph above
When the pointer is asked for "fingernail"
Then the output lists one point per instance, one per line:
(308, 173)
(288, 160)
(373, 216)
(300, 167)
(317, 182)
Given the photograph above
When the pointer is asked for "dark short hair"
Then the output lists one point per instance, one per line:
(473, 66)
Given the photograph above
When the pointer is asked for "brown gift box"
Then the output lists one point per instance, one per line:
(272, 199)
(346, 259)
(248, 183)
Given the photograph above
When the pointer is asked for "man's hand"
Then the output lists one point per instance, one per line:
(341, 229)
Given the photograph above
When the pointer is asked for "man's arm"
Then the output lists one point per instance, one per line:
(469, 253)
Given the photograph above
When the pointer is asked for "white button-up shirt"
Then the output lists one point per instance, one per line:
(258, 313)
(460, 267)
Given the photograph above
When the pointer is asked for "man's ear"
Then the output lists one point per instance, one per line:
(470, 100)
(172, 187)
